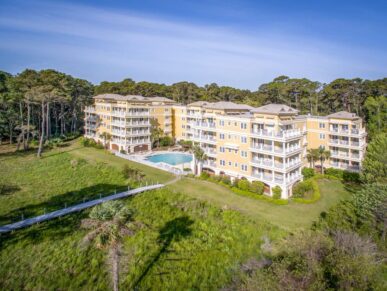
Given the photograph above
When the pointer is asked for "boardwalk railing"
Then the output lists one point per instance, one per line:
(74, 208)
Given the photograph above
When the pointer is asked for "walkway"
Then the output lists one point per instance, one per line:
(75, 208)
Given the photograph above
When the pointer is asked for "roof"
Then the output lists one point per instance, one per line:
(343, 115)
(225, 105)
(275, 109)
(222, 105)
(133, 98)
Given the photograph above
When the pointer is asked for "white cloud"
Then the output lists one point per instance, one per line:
(100, 44)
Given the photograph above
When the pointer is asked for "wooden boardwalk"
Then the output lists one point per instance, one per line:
(74, 208)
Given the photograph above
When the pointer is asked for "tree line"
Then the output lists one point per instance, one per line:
(39, 105)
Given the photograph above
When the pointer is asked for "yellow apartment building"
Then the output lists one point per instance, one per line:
(268, 143)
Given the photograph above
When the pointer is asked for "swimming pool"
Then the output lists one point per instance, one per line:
(170, 158)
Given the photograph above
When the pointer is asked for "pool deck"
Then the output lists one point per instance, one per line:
(141, 158)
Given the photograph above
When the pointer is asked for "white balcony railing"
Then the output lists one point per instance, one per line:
(277, 134)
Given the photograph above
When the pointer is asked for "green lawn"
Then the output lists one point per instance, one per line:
(292, 216)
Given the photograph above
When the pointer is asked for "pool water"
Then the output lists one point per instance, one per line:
(170, 158)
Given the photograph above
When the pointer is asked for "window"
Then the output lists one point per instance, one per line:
(236, 165)
(244, 167)
(222, 163)
(236, 124)
(221, 149)
(322, 136)
(229, 136)
(243, 125)
(244, 154)
(322, 125)
(183, 118)
(183, 126)
(243, 139)
(221, 136)
(229, 163)
(229, 150)
(221, 122)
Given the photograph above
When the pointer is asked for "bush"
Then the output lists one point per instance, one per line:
(132, 173)
(123, 152)
(257, 187)
(352, 177)
(243, 184)
(235, 182)
(307, 173)
(89, 142)
(334, 172)
(258, 197)
(226, 180)
(302, 189)
(166, 141)
(277, 191)
(204, 175)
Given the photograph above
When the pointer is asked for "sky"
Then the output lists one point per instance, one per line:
(236, 43)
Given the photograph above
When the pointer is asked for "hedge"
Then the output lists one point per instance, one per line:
(259, 197)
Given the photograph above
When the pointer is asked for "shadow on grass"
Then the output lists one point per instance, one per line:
(56, 229)
(8, 189)
(173, 230)
(61, 201)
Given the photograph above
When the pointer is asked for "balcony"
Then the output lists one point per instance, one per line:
(205, 138)
(209, 125)
(90, 109)
(209, 152)
(209, 163)
(353, 131)
(130, 113)
(284, 134)
(263, 162)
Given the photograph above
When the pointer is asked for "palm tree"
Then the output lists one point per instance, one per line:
(312, 156)
(106, 137)
(107, 225)
(199, 154)
(323, 155)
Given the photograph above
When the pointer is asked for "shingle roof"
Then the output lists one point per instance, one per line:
(343, 115)
(133, 98)
(275, 109)
(225, 105)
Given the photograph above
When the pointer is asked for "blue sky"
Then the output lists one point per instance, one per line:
(237, 43)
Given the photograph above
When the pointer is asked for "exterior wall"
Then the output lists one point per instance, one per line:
(271, 148)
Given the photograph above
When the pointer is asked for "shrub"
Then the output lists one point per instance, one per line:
(334, 172)
(204, 175)
(123, 152)
(259, 197)
(307, 173)
(277, 191)
(257, 187)
(89, 142)
(131, 173)
(351, 177)
(235, 182)
(302, 189)
(166, 141)
(226, 180)
(243, 184)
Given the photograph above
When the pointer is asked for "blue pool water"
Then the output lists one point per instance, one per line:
(170, 158)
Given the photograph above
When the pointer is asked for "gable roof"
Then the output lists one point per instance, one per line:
(226, 105)
(343, 115)
(199, 104)
(275, 109)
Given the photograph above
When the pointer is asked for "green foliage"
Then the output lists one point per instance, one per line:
(257, 187)
(124, 152)
(226, 180)
(352, 177)
(307, 191)
(204, 175)
(335, 173)
(307, 173)
(109, 210)
(132, 173)
(244, 184)
(259, 197)
(315, 261)
(277, 191)
(89, 142)
(166, 141)
(376, 113)
(374, 167)
(186, 144)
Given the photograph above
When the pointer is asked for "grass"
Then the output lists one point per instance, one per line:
(181, 243)
(192, 235)
(34, 185)
(290, 217)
